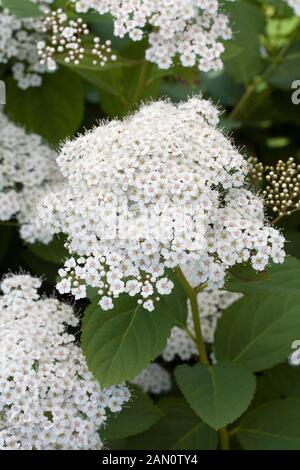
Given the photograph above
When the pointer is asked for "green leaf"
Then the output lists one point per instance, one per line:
(140, 86)
(120, 343)
(22, 8)
(138, 416)
(272, 426)
(281, 381)
(221, 86)
(178, 91)
(39, 267)
(107, 80)
(218, 394)
(257, 331)
(54, 110)
(278, 279)
(92, 293)
(5, 239)
(178, 429)
(242, 58)
(54, 252)
(288, 70)
(293, 241)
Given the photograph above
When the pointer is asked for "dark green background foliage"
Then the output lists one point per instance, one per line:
(254, 336)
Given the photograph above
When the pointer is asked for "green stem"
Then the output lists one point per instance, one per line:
(233, 431)
(140, 85)
(251, 87)
(224, 439)
(198, 339)
(277, 219)
(192, 295)
(248, 92)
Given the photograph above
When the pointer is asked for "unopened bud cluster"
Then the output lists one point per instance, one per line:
(66, 37)
(282, 191)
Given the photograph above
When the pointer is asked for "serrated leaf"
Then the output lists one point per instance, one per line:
(277, 279)
(272, 426)
(257, 331)
(22, 8)
(136, 417)
(179, 429)
(53, 110)
(120, 343)
(218, 394)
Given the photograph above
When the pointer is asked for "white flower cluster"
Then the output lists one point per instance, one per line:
(18, 39)
(211, 305)
(190, 29)
(48, 398)
(160, 189)
(295, 5)
(66, 37)
(27, 167)
(154, 379)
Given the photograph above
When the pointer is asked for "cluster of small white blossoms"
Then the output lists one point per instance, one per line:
(193, 30)
(211, 306)
(66, 37)
(48, 398)
(27, 169)
(154, 379)
(158, 190)
(295, 5)
(18, 39)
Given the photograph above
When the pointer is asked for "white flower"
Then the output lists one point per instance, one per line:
(68, 32)
(27, 169)
(48, 398)
(153, 379)
(106, 303)
(51, 64)
(133, 287)
(192, 29)
(164, 286)
(64, 286)
(161, 189)
(149, 305)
